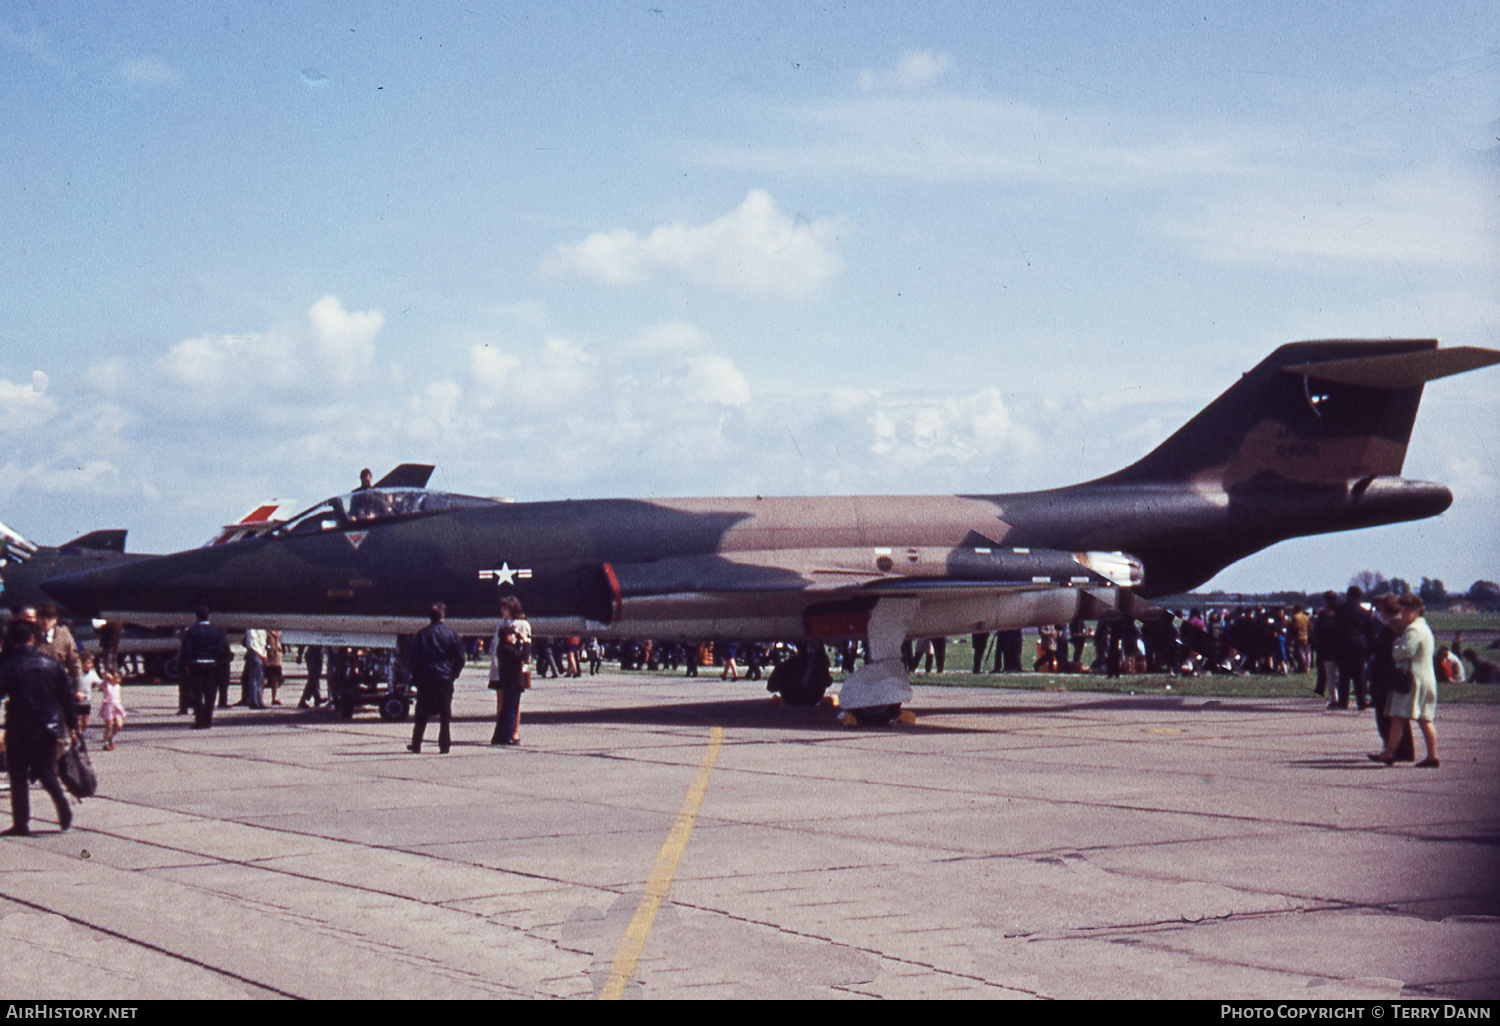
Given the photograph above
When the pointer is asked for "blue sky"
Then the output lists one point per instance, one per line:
(590, 250)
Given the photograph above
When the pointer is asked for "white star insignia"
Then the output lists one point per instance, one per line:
(505, 575)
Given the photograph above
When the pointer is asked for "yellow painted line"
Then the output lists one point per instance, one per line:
(628, 955)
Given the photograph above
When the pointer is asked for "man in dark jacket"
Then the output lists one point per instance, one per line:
(435, 658)
(39, 715)
(1326, 647)
(1354, 627)
(203, 661)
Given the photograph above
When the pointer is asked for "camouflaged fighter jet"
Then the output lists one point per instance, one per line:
(1310, 441)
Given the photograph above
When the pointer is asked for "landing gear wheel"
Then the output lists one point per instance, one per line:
(393, 708)
(876, 715)
(801, 680)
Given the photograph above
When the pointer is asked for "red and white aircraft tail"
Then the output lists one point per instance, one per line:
(265, 517)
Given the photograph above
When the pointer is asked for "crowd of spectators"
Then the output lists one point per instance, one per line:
(1336, 643)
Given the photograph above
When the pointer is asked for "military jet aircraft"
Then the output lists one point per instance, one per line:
(1311, 440)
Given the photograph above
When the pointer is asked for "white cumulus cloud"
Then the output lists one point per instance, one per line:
(716, 380)
(491, 368)
(755, 250)
(433, 412)
(915, 69)
(336, 347)
(671, 365)
(345, 340)
(23, 407)
(210, 362)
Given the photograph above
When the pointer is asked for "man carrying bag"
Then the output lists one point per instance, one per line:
(39, 719)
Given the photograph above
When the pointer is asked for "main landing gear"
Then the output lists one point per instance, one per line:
(874, 693)
(803, 679)
(872, 696)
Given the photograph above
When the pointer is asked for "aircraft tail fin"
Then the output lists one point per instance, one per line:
(101, 541)
(265, 517)
(1311, 412)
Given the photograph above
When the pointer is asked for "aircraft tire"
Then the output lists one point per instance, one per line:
(393, 708)
(877, 715)
(798, 684)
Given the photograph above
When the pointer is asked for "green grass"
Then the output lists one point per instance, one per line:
(1215, 686)
(1474, 626)
(1479, 629)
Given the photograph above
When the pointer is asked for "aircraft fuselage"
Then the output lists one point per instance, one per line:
(736, 568)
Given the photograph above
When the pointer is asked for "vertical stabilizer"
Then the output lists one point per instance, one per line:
(1311, 412)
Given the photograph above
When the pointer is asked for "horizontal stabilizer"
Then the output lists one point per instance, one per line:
(1401, 370)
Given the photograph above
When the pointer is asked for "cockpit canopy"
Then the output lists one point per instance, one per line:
(371, 506)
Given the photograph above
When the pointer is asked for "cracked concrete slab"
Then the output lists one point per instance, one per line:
(1007, 845)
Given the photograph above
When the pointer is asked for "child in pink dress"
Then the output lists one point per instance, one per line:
(112, 710)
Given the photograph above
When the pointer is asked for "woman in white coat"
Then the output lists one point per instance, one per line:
(1413, 657)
